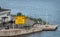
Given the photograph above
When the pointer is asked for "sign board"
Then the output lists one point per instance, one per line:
(19, 19)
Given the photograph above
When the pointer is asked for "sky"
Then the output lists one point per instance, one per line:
(29, 6)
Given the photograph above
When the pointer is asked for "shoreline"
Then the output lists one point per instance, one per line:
(34, 29)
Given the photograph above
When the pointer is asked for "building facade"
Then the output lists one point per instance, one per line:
(5, 15)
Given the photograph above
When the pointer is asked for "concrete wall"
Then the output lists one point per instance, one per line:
(29, 22)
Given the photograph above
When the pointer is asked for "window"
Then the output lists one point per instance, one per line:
(8, 13)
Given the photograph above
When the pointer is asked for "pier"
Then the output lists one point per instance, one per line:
(35, 28)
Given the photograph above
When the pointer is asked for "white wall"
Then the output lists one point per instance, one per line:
(5, 14)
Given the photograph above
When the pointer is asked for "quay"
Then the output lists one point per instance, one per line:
(35, 28)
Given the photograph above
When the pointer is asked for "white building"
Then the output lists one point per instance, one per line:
(5, 13)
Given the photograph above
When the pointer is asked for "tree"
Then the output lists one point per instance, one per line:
(39, 19)
(19, 14)
(0, 8)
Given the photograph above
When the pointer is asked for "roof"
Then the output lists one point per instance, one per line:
(2, 9)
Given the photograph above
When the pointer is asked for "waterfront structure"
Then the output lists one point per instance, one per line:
(34, 29)
(5, 14)
(28, 22)
(5, 18)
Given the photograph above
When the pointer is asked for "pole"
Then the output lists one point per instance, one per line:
(42, 22)
(13, 25)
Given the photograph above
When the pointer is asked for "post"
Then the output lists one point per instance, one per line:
(42, 22)
(13, 25)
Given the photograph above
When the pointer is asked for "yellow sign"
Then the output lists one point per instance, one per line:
(19, 19)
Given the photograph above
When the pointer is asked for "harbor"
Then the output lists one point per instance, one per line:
(29, 18)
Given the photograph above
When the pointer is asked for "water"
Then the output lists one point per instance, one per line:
(48, 10)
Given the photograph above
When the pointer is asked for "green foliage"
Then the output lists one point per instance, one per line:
(19, 14)
(0, 8)
(39, 19)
